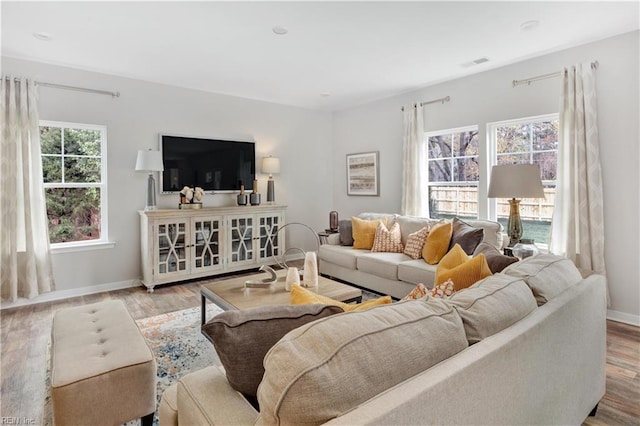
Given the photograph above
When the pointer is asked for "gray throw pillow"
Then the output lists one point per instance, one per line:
(242, 338)
(496, 260)
(345, 228)
(466, 235)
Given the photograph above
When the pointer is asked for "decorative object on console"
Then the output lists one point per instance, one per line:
(333, 220)
(363, 174)
(310, 270)
(511, 181)
(242, 197)
(254, 197)
(271, 165)
(293, 277)
(150, 161)
(191, 198)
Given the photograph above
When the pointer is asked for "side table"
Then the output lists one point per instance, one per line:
(324, 235)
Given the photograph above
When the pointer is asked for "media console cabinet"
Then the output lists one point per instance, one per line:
(179, 245)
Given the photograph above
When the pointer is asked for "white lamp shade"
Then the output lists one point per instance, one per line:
(271, 165)
(150, 161)
(516, 181)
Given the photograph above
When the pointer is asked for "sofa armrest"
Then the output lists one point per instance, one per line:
(332, 239)
(206, 398)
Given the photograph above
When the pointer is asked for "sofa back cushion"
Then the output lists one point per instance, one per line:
(322, 370)
(411, 224)
(493, 304)
(548, 275)
(492, 231)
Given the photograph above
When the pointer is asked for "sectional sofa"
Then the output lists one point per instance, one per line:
(525, 346)
(395, 274)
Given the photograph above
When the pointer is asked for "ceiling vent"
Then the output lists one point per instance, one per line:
(475, 62)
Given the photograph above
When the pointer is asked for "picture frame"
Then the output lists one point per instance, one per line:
(363, 173)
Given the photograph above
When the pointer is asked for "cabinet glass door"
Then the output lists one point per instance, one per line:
(207, 250)
(268, 225)
(240, 231)
(172, 247)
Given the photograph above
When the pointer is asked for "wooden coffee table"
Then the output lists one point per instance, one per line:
(231, 294)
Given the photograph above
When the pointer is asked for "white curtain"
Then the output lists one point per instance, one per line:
(414, 173)
(25, 268)
(578, 221)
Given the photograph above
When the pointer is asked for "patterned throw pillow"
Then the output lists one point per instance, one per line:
(415, 243)
(421, 292)
(443, 290)
(387, 240)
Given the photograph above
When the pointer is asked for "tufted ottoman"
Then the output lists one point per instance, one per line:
(102, 371)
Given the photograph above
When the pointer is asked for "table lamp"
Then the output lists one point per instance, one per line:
(515, 181)
(271, 165)
(150, 161)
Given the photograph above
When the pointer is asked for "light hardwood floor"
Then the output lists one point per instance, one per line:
(25, 334)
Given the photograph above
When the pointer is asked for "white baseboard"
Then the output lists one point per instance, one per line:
(72, 292)
(623, 317)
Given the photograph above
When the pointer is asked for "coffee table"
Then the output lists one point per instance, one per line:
(230, 294)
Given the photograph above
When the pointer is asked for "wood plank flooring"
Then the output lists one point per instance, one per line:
(25, 333)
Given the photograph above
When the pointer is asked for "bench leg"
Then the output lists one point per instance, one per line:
(593, 412)
(147, 420)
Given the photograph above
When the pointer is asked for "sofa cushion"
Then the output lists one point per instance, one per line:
(467, 236)
(496, 260)
(302, 296)
(341, 255)
(417, 271)
(493, 304)
(461, 269)
(324, 369)
(364, 232)
(242, 338)
(345, 229)
(415, 243)
(437, 243)
(411, 224)
(383, 265)
(387, 218)
(492, 231)
(548, 275)
(387, 240)
(421, 292)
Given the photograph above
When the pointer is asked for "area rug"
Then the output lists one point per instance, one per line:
(177, 344)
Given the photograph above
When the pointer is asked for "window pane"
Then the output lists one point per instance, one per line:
(440, 171)
(73, 213)
(78, 169)
(440, 146)
(547, 161)
(465, 143)
(513, 158)
(545, 135)
(50, 140)
(52, 169)
(466, 169)
(81, 142)
(514, 138)
(447, 201)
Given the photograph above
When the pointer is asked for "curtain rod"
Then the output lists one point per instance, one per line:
(443, 100)
(79, 89)
(594, 66)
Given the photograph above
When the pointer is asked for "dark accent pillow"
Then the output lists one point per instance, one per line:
(466, 235)
(242, 338)
(496, 260)
(346, 232)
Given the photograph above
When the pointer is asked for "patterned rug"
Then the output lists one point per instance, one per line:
(177, 344)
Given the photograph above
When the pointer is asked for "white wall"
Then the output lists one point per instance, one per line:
(301, 138)
(489, 97)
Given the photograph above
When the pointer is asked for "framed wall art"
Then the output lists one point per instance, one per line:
(363, 174)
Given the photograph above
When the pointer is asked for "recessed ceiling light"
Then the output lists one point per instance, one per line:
(325, 94)
(279, 30)
(475, 62)
(43, 36)
(529, 25)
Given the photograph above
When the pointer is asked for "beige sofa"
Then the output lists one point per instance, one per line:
(489, 367)
(395, 274)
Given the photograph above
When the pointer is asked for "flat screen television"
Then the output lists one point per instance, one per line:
(212, 164)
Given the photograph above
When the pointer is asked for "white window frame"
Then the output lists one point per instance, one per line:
(103, 241)
(469, 128)
(492, 148)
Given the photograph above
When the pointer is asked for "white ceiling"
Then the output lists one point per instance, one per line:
(356, 51)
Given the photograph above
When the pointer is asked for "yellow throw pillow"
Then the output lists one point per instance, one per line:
(437, 243)
(302, 296)
(461, 269)
(364, 232)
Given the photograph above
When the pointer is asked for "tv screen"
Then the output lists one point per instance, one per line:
(211, 164)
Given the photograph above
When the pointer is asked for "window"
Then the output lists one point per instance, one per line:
(74, 173)
(452, 157)
(529, 140)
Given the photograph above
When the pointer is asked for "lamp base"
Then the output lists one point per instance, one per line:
(514, 224)
(271, 192)
(151, 193)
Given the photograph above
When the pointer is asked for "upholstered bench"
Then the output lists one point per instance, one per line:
(102, 371)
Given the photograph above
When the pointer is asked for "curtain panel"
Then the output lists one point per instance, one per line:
(25, 264)
(414, 174)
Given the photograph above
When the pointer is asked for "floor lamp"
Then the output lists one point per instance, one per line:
(515, 181)
(150, 161)
(271, 165)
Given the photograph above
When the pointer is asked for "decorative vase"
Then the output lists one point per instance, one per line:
(310, 270)
(254, 197)
(333, 220)
(242, 197)
(293, 277)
